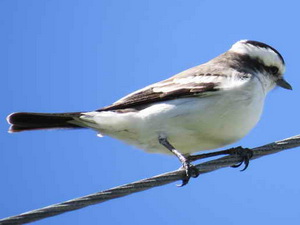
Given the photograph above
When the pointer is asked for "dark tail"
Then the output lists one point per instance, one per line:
(23, 121)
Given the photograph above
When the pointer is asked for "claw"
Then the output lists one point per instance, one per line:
(237, 165)
(190, 171)
(184, 182)
(245, 154)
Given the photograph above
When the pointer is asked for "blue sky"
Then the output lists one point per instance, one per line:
(71, 55)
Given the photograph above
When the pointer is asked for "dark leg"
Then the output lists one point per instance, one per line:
(190, 170)
(244, 153)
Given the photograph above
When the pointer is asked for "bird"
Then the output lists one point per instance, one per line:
(202, 108)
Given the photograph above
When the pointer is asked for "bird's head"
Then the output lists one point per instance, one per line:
(264, 59)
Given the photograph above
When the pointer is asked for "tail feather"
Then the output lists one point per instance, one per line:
(23, 121)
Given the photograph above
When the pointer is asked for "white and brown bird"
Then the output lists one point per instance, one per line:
(203, 108)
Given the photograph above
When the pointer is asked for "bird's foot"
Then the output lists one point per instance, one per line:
(244, 153)
(190, 171)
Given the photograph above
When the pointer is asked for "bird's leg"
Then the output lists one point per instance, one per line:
(191, 171)
(244, 153)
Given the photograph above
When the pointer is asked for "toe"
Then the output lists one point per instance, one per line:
(190, 171)
(185, 181)
(245, 154)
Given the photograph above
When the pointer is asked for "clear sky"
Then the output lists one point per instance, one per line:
(72, 55)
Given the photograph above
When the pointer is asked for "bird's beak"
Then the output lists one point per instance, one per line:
(284, 84)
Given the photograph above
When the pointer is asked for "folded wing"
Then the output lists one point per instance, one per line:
(190, 83)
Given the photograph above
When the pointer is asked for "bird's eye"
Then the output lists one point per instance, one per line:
(273, 69)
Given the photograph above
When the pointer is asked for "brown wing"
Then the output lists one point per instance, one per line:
(162, 91)
(202, 80)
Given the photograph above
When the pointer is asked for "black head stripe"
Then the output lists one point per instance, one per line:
(263, 45)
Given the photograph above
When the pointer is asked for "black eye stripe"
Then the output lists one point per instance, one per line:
(273, 69)
(246, 64)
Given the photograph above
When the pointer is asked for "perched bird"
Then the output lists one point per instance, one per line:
(202, 108)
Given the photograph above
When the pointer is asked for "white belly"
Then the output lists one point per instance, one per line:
(190, 124)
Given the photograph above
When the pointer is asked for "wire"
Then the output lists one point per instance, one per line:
(145, 184)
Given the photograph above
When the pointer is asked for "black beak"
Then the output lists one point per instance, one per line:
(284, 84)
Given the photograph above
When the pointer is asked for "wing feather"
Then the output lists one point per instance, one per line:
(190, 83)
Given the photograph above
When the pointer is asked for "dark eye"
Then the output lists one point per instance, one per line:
(273, 69)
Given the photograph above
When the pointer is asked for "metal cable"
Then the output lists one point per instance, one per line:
(145, 184)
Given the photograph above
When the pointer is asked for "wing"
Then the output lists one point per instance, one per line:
(194, 82)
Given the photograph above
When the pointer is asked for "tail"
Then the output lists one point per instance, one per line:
(23, 121)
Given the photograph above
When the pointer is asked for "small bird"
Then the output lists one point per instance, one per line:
(203, 108)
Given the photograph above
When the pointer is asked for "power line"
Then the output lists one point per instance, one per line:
(145, 184)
